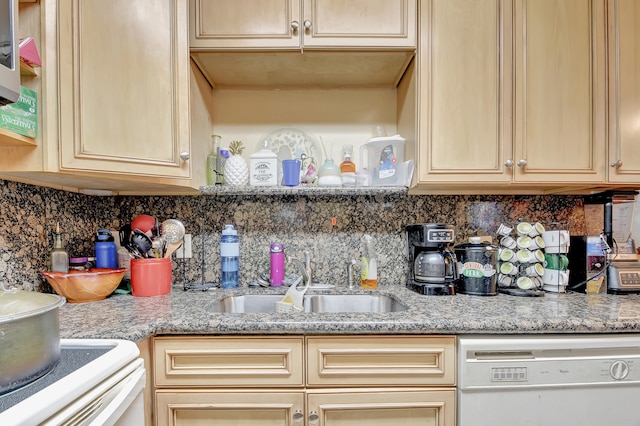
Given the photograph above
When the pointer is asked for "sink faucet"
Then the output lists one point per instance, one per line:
(303, 268)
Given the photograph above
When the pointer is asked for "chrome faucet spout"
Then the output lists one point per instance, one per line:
(306, 276)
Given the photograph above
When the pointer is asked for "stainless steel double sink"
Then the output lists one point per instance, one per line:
(264, 303)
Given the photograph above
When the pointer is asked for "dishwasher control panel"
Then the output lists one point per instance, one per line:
(508, 374)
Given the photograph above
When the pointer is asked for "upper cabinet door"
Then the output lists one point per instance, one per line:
(560, 91)
(624, 91)
(221, 24)
(359, 23)
(464, 91)
(123, 74)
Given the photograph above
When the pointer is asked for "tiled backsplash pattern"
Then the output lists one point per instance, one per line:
(301, 222)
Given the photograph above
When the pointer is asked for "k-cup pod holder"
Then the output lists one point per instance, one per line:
(523, 260)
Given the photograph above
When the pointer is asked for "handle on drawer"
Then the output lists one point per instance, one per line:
(298, 416)
(314, 418)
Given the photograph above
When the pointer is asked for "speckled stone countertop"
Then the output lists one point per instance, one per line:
(189, 312)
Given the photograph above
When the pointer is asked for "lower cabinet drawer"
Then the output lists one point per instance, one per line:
(381, 361)
(243, 361)
(229, 407)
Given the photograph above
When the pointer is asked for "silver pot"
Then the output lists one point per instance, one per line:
(29, 336)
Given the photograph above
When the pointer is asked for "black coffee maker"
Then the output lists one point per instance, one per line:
(433, 268)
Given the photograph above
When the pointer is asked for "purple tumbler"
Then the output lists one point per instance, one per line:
(277, 264)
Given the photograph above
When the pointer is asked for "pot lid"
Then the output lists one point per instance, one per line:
(476, 243)
(15, 304)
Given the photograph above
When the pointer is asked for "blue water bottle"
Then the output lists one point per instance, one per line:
(106, 250)
(229, 255)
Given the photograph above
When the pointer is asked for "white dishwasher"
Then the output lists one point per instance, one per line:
(550, 380)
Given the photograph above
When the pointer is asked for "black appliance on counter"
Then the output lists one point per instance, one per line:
(595, 257)
(433, 267)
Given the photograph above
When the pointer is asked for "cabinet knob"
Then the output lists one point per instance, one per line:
(314, 418)
(617, 164)
(295, 26)
(508, 163)
(522, 163)
(298, 416)
(184, 156)
(307, 24)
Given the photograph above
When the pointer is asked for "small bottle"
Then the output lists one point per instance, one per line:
(214, 172)
(106, 250)
(277, 264)
(59, 255)
(348, 167)
(369, 268)
(229, 256)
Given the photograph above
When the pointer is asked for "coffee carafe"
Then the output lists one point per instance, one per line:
(433, 267)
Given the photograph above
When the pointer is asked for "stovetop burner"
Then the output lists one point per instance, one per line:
(70, 360)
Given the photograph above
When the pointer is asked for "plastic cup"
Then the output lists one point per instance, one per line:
(290, 172)
(151, 277)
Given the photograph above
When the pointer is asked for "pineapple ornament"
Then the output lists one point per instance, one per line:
(236, 170)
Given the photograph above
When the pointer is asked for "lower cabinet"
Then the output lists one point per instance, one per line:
(333, 381)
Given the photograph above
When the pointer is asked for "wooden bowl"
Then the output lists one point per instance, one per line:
(85, 286)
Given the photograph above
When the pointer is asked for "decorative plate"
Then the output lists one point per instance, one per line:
(290, 143)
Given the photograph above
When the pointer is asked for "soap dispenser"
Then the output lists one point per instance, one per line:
(59, 257)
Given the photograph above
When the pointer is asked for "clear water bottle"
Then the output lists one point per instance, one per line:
(229, 255)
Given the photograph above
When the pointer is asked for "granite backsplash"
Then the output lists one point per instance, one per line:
(301, 222)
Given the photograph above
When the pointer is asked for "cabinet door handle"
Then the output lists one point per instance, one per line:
(617, 164)
(314, 418)
(295, 26)
(522, 163)
(184, 156)
(298, 416)
(307, 24)
(508, 163)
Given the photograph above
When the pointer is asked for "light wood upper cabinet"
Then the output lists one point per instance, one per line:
(464, 92)
(124, 86)
(624, 91)
(114, 95)
(302, 44)
(560, 78)
(277, 24)
(511, 93)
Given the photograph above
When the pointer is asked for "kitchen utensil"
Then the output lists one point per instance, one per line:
(145, 223)
(30, 330)
(172, 231)
(141, 242)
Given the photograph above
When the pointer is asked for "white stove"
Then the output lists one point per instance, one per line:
(96, 381)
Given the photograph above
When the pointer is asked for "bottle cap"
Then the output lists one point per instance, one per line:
(229, 230)
(277, 248)
(104, 235)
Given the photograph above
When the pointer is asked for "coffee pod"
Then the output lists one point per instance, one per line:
(536, 229)
(504, 280)
(523, 242)
(508, 268)
(524, 256)
(504, 230)
(507, 255)
(523, 228)
(538, 255)
(535, 270)
(536, 243)
(508, 242)
(524, 283)
(555, 277)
